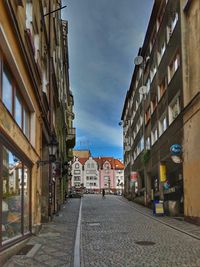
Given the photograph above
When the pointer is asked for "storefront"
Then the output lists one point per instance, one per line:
(15, 184)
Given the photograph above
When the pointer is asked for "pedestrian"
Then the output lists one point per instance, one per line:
(103, 193)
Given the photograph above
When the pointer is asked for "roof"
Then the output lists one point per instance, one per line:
(118, 164)
(115, 163)
(82, 160)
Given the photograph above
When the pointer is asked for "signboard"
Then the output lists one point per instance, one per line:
(176, 159)
(176, 149)
(163, 172)
(158, 208)
(134, 176)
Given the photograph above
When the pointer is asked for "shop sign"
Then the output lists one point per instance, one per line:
(176, 159)
(163, 173)
(134, 176)
(176, 149)
(158, 208)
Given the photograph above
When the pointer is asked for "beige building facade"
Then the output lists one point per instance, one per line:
(36, 115)
(191, 116)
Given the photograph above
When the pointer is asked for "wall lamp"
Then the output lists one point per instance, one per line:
(53, 146)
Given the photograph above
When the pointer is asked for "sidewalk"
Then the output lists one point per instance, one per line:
(183, 226)
(54, 245)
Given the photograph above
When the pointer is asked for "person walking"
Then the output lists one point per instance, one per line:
(103, 193)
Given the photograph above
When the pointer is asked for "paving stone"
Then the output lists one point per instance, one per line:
(112, 242)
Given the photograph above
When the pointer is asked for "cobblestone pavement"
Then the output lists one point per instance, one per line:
(54, 245)
(112, 228)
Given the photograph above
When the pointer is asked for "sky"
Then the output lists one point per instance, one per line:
(104, 38)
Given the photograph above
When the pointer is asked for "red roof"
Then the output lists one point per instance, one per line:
(119, 165)
(82, 160)
(115, 163)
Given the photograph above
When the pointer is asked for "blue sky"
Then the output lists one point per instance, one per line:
(104, 38)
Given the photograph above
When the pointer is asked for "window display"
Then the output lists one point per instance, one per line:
(15, 196)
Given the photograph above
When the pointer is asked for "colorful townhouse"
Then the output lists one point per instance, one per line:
(95, 174)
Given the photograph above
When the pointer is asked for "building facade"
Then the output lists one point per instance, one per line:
(95, 174)
(152, 115)
(35, 100)
(191, 116)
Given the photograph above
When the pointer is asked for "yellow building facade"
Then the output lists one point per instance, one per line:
(191, 81)
(34, 97)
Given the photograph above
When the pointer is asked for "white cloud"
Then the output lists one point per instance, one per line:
(98, 129)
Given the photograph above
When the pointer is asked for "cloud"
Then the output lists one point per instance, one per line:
(99, 130)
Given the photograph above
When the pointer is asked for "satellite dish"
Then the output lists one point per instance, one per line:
(143, 90)
(138, 60)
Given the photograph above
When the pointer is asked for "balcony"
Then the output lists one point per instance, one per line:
(71, 137)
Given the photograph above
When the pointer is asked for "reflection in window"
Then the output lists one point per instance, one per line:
(7, 90)
(18, 111)
(26, 126)
(12, 195)
(26, 199)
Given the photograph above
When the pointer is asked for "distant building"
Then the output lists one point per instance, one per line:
(98, 173)
(82, 153)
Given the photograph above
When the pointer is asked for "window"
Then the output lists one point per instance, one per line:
(147, 115)
(153, 105)
(76, 166)
(18, 111)
(174, 109)
(77, 171)
(161, 52)
(7, 91)
(172, 25)
(154, 135)
(172, 68)
(148, 143)
(26, 126)
(162, 88)
(153, 72)
(15, 184)
(77, 178)
(148, 85)
(15, 103)
(162, 125)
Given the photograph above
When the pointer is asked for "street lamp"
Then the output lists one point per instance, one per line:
(139, 61)
(53, 146)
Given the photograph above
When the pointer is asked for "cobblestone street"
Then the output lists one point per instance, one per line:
(113, 233)
(112, 227)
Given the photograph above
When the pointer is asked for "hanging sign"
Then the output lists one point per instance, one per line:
(176, 149)
(134, 176)
(163, 172)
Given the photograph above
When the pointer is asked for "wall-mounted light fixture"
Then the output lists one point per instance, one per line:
(53, 146)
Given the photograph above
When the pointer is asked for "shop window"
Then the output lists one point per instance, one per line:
(174, 109)
(12, 182)
(15, 198)
(7, 91)
(26, 202)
